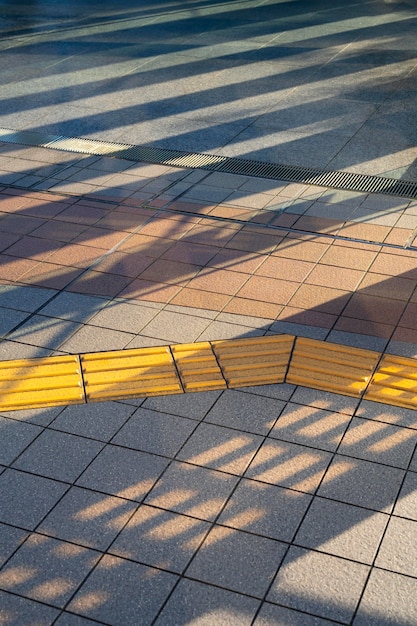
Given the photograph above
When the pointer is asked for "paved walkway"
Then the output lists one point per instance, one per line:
(270, 505)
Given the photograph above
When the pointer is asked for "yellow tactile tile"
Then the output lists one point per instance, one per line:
(254, 361)
(331, 367)
(129, 373)
(34, 383)
(394, 382)
(198, 366)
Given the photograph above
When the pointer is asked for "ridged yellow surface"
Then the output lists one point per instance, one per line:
(394, 382)
(198, 366)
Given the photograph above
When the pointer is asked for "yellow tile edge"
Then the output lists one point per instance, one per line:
(202, 366)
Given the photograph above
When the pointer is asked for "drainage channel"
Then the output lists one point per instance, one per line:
(348, 181)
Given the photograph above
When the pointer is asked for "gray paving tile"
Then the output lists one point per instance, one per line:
(54, 570)
(24, 298)
(243, 411)
(300, 330)
(151, 431)
(58, 455)
(10, 539)
(355, 340)
(42, 417)
(10, 350)
(325, 400)
(9, 319)
(193, 405)
(379, 442)
(398, 549)
(45, 332)
(389, 599)
(26, 498)
(74, 306)
(160, 538)
(121, 472)
(266, 510)
(281, 391)
(220, 448)
(323, 585)
(175, 328)
(406, 505)
(123, 590)
(310, 426)
(362, 483)
(192, 490)
(20, 611)
(87, 518)
(289, 465)
(93, 339)
(237, 561)
(69, 619)
(130, 318)
(195, 603)
(99, 420)
(271, 615)
(387, 413)
(15, 436)
(223, 330)
(342, 530)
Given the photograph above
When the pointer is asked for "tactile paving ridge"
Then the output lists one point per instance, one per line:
(183, 368)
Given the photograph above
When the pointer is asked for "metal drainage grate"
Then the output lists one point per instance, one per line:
(230, 165)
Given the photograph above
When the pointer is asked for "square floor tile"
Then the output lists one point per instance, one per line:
(119, 590)
(76, 307)
(387, 413)
(121, 472)
(195, 603)
(321, 584)
(362, 483)
(19, 610)
(310, 426)
(130, 318)
(100, 420)
(44, 331)
(94, 338)
(175, 328)
(9, 319)
(151, 431)
(343, 530)
(271, 614)
(325, 400)
(388, 599)
(26, 498)
(53, 570)
(24, 298)
(398, 549)
(237, 561)
(41, 417)
(58, 455)
(220, 448)
(406, 505)
(245, 411)
(192, 490)
(160, 538)
(10, 539)
(265, 510)
(193, 405)
(88, 519)
(15, 437)
(379, 442)
(289, 465)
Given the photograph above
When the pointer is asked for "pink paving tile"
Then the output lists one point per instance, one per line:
(10, 204)
(44, 208)
(186, 252)
(307, 317)
(200, 299)
(124, 264)
(338, 277)
(7, 239)
(367, 232)
(254, 240)
(398, 236)
(303, 250)
(314, 224)
(286, 220)
(146, 290)
(117, 220)
(409, 317)
(20, 224)
(253, 308)
(45, 274)
(172, 227)
(61, 231)
(363, 327)
(171, 272)
(374, 308)
(393, 265)
(201, 208)
(407, 335)
(76, 255)
(211, 235)
(323, 299)
(149, 246)
(288, 269)
(267, 289)
(99, 237)
(349, 256)
(12, 268)
(237, 261)
(100, 284)
(82, 214)
(233, 213)
(34, 248)
(249, 200)
(385, 286)
(218, 281)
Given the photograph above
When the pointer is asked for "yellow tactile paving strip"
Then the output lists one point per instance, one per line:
(183, 368)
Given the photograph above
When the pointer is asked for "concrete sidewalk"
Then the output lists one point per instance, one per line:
(268, 505)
